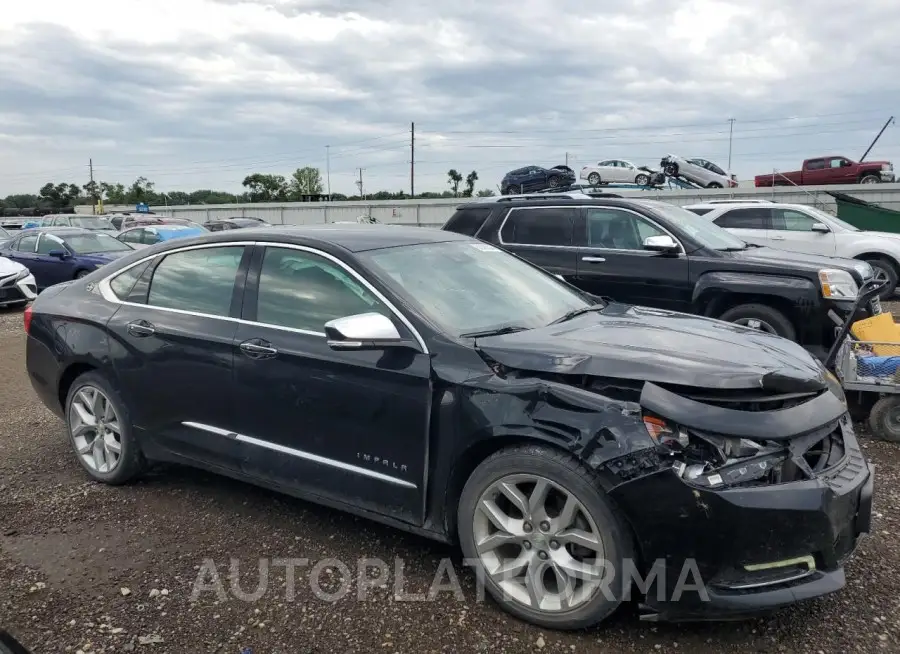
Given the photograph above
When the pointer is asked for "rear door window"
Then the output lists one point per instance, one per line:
(539, 226)
(748, 218)
(197, 281)
(27, 243)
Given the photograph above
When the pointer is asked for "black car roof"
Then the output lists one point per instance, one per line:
(354, 238)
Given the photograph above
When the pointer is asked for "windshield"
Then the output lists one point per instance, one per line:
(95, 243)
(704, 231)
(831, 219)
(471, 287)
(91, 222)
(4, 233)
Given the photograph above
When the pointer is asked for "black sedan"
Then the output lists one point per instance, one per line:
(441, 385)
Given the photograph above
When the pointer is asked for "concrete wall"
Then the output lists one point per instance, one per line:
(433, 213)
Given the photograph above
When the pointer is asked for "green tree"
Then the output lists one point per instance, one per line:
(141, 190)
(486, 193)
(266, 188)
(20, 201)
(115, 193)
(471, 178)
(454, 179)
(58, 196)
(305, 181)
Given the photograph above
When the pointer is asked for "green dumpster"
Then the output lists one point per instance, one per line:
(866, 215)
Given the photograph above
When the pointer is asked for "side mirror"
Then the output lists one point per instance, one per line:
(363, 331)
(59, 254)
(820, 227)
(664, 243)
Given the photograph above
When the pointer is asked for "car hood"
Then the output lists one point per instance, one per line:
(809, 262)
(8, 267)
(645, 344)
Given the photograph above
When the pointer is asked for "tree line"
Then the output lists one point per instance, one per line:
(303, 184)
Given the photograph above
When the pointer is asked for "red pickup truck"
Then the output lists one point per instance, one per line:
(831, 170)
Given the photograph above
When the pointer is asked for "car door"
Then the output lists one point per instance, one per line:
(52, 270)
(350, 426)
(622, 173)
(750, 224)
(611, 260)
(792, 230)
(817, 171)
(542, 235)
(171, 345)
(22, 250)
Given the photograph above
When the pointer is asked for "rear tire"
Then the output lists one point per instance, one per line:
(884, 419)
(522, 468)
(763, 318)
(714, 185)
(886, 269)
(111, 438)
(82, 273)
(512, 189)
(553, 180)
(671, 170)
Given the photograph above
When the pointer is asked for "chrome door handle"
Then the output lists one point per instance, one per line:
(257, 348)
(593, 259)
(140, 328)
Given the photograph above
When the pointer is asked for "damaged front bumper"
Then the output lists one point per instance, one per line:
(734, 540)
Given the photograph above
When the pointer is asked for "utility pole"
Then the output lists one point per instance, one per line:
(730, 134)
(328, 169)
(93, 199)
(359, 183)
(567, 159)
(889, 121)
(412, 160)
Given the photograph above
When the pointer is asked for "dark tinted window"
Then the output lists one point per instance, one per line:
(131, 236)
(699, 212)
(149, 238)
(302, 290)
(95, 242)
(539, 226)
(122, 284)
(197, 280)
(749, 218)
(27, 243)
(815, 164)
(618, 230)
(467, 221)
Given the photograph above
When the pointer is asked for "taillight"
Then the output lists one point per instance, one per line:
(27, 317)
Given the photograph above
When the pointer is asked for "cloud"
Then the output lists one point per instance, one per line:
(199, 93)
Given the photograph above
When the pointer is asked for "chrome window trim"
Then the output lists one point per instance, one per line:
(681, 250)
(107, 293)
(301, 454)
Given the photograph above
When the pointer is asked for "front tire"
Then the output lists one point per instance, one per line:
(714, 185)
(761, 317)
(512, 189)
(642, 180)
(553, 180)
(551, 549)
(100, 431)
(671, 170)
(82, 273)
(870, 179)
(884, 270)
(594, 179)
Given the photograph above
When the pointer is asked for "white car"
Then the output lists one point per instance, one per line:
(17, 284)
(616, 171)
(700, 171)
(800, 228)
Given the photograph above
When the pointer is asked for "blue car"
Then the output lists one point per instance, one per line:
(141, 237)
(59, 254)
(535, 178)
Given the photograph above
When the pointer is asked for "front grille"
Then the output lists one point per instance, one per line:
(753, 401)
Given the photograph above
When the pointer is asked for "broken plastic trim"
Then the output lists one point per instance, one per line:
(786, 424)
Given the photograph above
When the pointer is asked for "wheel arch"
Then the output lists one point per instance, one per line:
(68, 377)
(874, 254)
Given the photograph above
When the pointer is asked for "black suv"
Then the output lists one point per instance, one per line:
(656, 254)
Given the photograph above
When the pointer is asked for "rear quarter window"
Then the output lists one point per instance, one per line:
(467, 221)
(539, 226)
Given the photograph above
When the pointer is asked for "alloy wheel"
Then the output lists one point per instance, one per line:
(95, 429)
(538, 543)
(757, 324)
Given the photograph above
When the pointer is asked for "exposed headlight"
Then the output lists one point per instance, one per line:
(837, 284)
(23, 274)
(864, 269)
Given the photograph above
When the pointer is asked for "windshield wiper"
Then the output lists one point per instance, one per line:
(740, 249)
(574, 313)
(497, 331)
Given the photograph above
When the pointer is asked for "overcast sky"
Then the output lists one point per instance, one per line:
(199, 93)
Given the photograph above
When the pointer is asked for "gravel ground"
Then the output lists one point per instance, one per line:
(89, 568)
